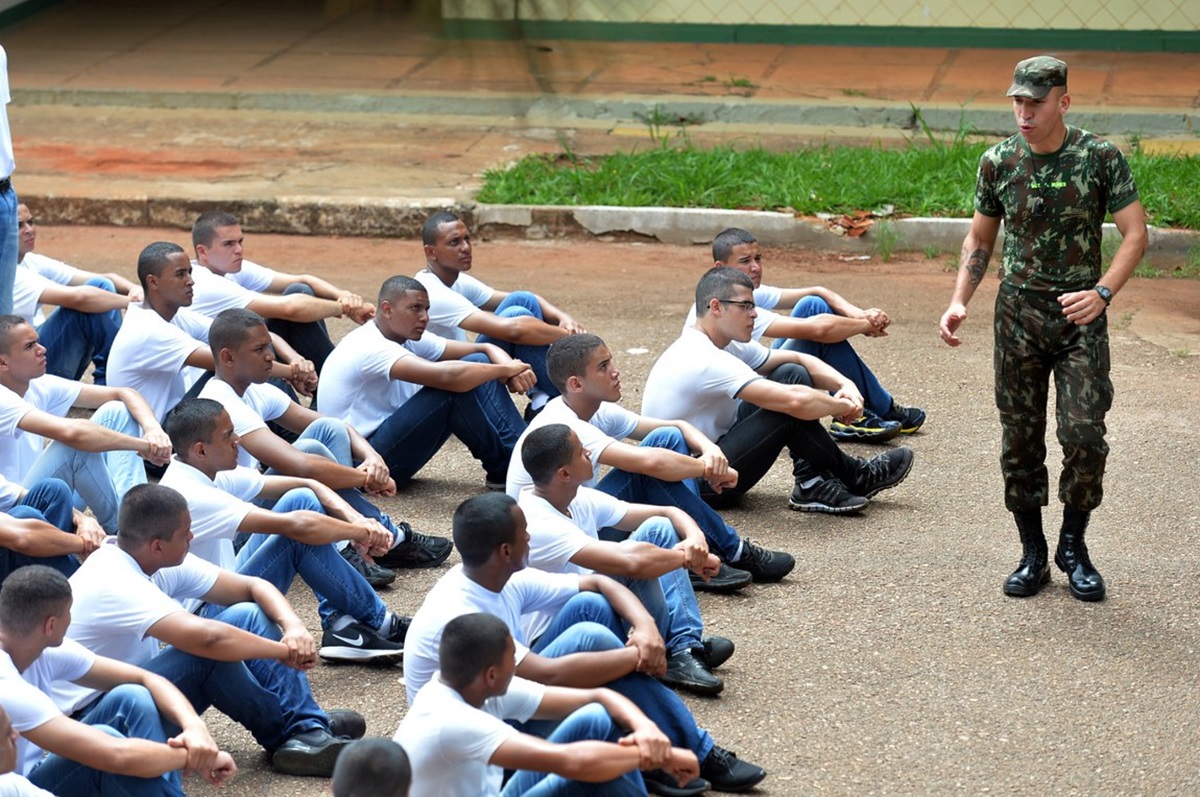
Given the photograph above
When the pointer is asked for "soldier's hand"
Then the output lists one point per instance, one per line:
(951, 320)
(1082, 307)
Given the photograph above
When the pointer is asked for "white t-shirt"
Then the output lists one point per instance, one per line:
(50, 394)
(450, 304)
(454, 594)
(26, 696)
(450, 742)
(14, 785)
(10, 493)
(611, 423)
(250, 411)
(356, 382)
(252, 276)
(149, 352)
(768, 297)
(213, 293)
(695, 381)
(554, 537)
(7, 166)
(217, 508)
(115, 623)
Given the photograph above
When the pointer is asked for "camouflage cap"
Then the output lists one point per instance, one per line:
(1034, 77)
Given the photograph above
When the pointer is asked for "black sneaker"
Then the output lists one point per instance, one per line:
(358, 644)
(881, 472)
(313, 753)
(870, 428)
(910, 418)
(346, 724)
(395, 628)
(418, 550)
(829, 496)
(764, 566)
(728, 579)
(686, 670)
(717, 650)
(726, 772)
(375, 575)
(659, 782)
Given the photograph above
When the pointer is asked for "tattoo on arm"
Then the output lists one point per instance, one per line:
(976, 264)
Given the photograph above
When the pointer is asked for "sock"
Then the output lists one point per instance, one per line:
(538, 400)
(738, 554)
(387, 620)
(342, 621)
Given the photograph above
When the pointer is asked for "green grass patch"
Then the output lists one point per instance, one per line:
(928, 177)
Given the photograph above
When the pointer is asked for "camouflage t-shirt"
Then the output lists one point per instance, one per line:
(1053, 207)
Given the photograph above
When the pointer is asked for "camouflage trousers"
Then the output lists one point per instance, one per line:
(1034, 340)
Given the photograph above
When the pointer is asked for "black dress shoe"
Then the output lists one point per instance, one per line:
(659, 782)
(717, 650)
(728, 579)
(686, 671)
(346, 723)
(313, 753)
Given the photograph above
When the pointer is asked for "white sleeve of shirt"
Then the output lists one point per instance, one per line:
(254, 277)
(768, 297)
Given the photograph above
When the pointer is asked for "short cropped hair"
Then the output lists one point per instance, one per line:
(231, 328)
(722, 245)
(482, 524)
(718, 283)
(7, 324)
(204, 230)
(429, 230)
(394, 287)
(148, 512)
(191, 421)
(568, 357)
(470, 644)
(545, 450)
(29, 595)
(372, 767)
(154, 259)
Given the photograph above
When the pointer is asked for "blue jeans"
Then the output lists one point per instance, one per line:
(638, 488)
(127, 712)
(338, 586)
(309, 339)
(841, 356)
(516, 305)
(9, 246)
(328, 438)
(587, 623)
(268, 698)
(49, 501)
(670, 598)
(590, 723)
(73, 338)
(484, 418)
(99, 480)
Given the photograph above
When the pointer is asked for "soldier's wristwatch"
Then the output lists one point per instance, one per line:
(1105, 293)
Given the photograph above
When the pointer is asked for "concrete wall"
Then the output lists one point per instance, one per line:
(1096, 15)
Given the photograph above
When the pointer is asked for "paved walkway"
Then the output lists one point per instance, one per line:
(339, 113)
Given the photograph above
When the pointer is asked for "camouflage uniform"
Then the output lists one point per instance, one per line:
(1053, 207)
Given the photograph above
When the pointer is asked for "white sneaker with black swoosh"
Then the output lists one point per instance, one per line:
(357, 643)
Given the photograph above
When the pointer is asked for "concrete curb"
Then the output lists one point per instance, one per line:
(671, 109)
(402, 218)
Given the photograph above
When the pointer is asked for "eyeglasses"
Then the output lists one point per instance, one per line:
(1039, 207)
(745, 304)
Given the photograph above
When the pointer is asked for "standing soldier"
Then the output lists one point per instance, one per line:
(1051, 184)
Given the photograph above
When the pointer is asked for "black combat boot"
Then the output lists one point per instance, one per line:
(1085, 582)
(1033, 572)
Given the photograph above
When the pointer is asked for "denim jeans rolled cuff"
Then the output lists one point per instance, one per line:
(841, 356)
(340, 589)
(638, 488)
